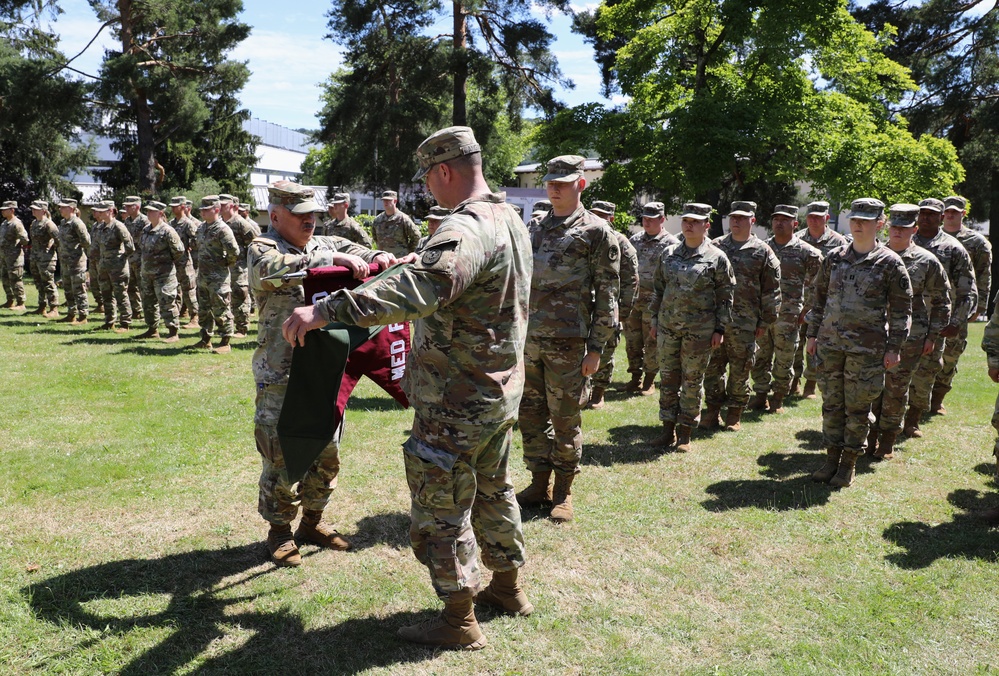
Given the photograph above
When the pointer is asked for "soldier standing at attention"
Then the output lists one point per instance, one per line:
(754, 310)
(434, 218)
(628, 288)
(44, 245)
(289, 246)
(187, 229)
(641, 347)
(217, 251)
(468, 294)
(799, 263)
(244, 210)
(980, 251)
(74, 243)
(573, 315)
(161, 251)
(858, 323)
(927, 381)
(13, 239)
(110, 246)
(691, 305)
(818, 234)
(394, 231)
(930, 314)
(135, 221)
(244, 231)
(339, 224)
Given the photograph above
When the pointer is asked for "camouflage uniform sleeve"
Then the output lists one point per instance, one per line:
(412, 233)
(724, 290)
(363, 234)
(899, 307)
(769, 290)
(230, 247)
(629, 278)
(22, 235)
(819, 293)
(963, 281)
(937, 288)
(264, 261)
(982, 262)
(94, 250)
(605, 264)
(344, 245)
(449, 263)
(813, 263)
(990, 341)
(658, 288)
(176, 245)
(126, 238)
(82, 233)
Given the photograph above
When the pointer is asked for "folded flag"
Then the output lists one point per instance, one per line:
(322, 376)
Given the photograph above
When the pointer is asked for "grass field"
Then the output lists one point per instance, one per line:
(131, 544)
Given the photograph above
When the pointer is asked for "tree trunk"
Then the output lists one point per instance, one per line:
(143, 114)
(459, 116)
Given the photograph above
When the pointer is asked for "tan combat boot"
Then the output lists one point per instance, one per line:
(193, 324)
(68, 319)
(886, 446)
(205, 342)
(562, 498)
(635, 384)
(910, 427)
(936, 403)
(454, 629)
(314, 530)
(683, 438)
(828, 470)
(649, 384)
(149, 333)
(124, 328)
(776, 403)
(51, 314)
(223, 347)
(809, 391)
(539, 493)
(79, 321)
(596, 398)
(172, 336)
(847, 469)
(732, 418)
(709, 420)
(106, 326)
(39, 311)
(282, 547)
(759, 402)
(872, 441)
(504, 593)
(668, 436)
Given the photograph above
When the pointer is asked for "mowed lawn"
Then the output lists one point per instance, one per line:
(130, 541)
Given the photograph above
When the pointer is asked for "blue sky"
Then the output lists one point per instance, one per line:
(288, 57)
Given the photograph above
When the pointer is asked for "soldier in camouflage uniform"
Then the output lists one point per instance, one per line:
(754, 310)
(434, 218)
(980, 251)
(926, 381)
(13, 239)
(691, 305)
(135, 221)
(289, 247)
(187, 228)
(990, 343)
(93, 275)
(469, 296)
(930, 314)
(44, 246)
(244, 210)
(394, 231)
(217, 251)
(799, 263)
(818, 234)
(244, 231)
(339, 224)
(161, 251)
(860, 319)
(628, 289)
(641, 347)
(573, 315)
(111, 245)
(74, 243)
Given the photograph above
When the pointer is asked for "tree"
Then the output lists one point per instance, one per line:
(169, 95)
(41, 111)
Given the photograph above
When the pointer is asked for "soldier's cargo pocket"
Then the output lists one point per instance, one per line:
(431, 482)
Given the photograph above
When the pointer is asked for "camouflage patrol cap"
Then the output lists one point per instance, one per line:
(340, 198)
(178, 201)
(542, 206)
(103, 205)
(697, 210)
(9, 204)
(155, 206)
(294, 197)
(443, 145)
(789, 210)
(602, 207)
(226, 198)
(743, 209)
(209, 202)
(931, 204)
(564, 168)
(955, 203)
(519, 209)
(438, 213)
(903, 215)
(245, 206)
(71, 203)
(188, 203)
(819, 207)
(390, 195)
(132, 199)
(653, 210)
(40, 204)
(867, 208)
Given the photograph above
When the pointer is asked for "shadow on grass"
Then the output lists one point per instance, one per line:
(202, 610)
(968, 536)
(788, 485)
(811, 440)
(629, 444)
(391, 529)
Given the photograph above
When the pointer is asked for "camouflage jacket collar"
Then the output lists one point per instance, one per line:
(572, 219)
(686, 252)
(494, 197)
